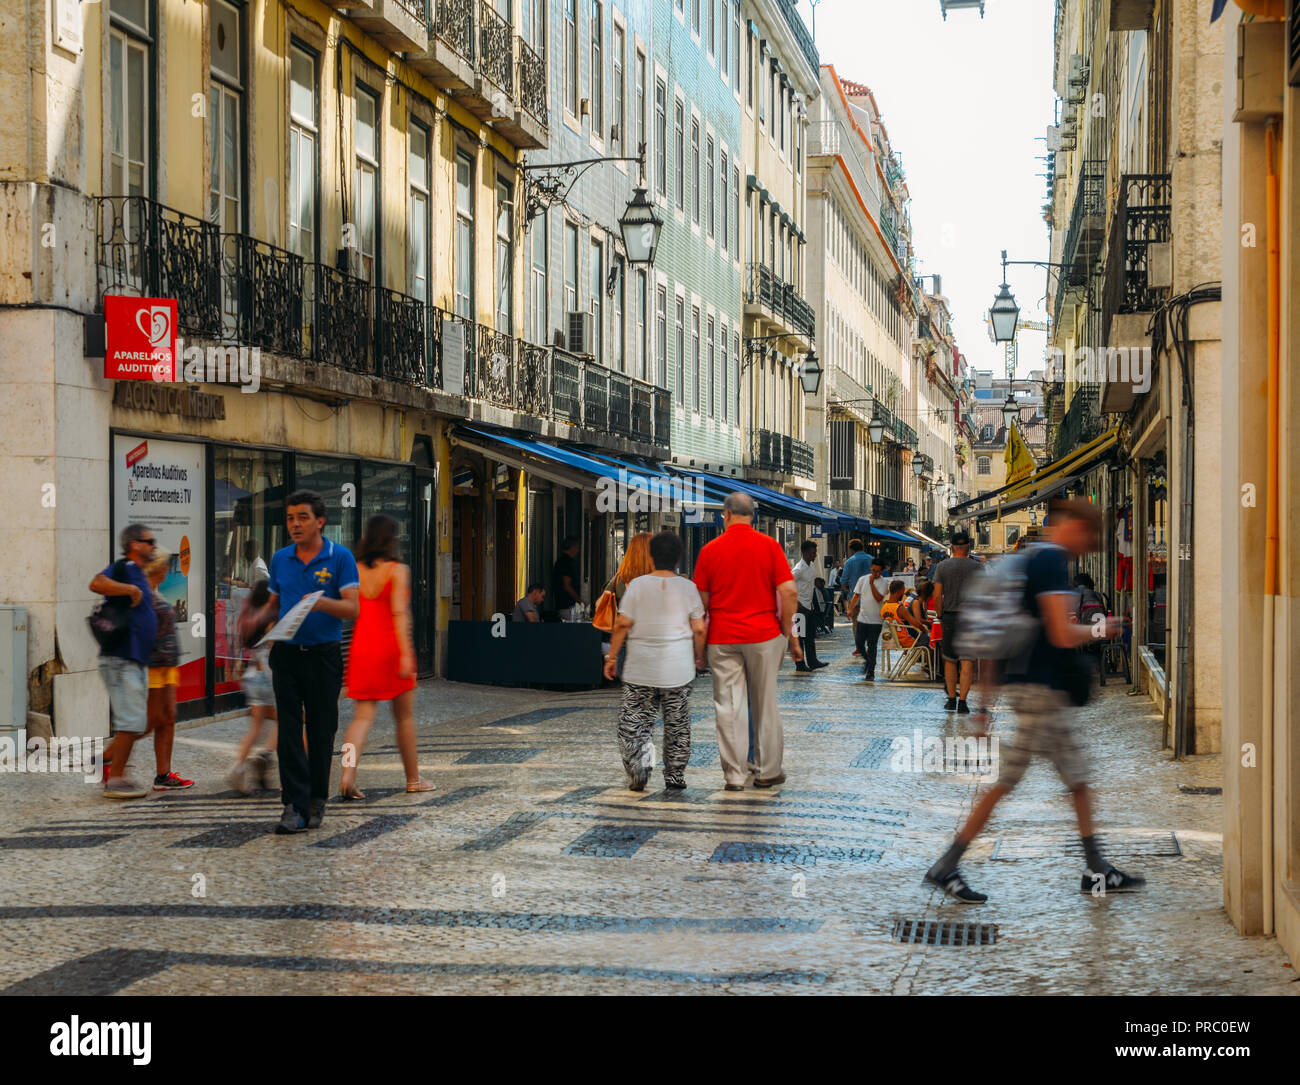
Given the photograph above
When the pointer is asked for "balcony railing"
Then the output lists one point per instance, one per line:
(237, 289)
(891, 509)
(1084, 235)
(1081, 423)
(801, 35)
(453, 22)
(831, 138)
(780, 453)
(418, 9)
(496, 48)
(781, 299)
(532, 84)
(1141, 219)
(895, 428)
(149, 250)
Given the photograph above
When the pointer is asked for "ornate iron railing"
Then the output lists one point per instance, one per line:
(341, 330)
(595, 397)
(620, 404)
(148, 249)
(532, 83)
(534, 380)
(1089, 204)
(643, 413)
(494, 367)
(781, 298)
(1142, 219)
(266, 285)
(566, 386)
(496, 48)
(400, 339)
(1082, 421)
(801, 35)
(418, 9)
(895, 427)
(454, 24)
(663, 412)
(892, 509)
(802, 460)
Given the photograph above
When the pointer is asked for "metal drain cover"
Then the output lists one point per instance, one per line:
(1057, 845)
(931, 932)
(1187, 790)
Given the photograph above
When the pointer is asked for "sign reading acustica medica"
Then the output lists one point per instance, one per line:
(140, 338)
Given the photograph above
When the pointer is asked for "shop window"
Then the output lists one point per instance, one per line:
(336, 481)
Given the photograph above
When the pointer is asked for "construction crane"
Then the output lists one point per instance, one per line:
(1010, 348)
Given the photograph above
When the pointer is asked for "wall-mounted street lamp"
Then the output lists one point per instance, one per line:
(876, 429)
(641, 227)
(1004, 313)
(1010, 411)
(810, 370)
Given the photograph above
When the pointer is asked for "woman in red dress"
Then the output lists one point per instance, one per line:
(381, 661)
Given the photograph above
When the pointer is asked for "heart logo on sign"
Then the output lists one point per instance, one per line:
(158, 328)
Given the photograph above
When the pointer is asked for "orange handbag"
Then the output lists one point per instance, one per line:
(606, 611)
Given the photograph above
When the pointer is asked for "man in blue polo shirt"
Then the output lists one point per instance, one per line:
(307, 671)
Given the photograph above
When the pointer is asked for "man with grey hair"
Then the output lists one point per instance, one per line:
(124, 661)
(750, 598)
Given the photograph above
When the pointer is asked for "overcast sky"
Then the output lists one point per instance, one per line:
(966, 103)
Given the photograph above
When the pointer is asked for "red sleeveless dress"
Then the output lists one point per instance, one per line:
(373, 659)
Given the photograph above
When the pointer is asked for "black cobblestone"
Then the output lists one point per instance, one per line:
(740, 851)
(515, 826)
(611, 841)
(874, 755)
(500, 756)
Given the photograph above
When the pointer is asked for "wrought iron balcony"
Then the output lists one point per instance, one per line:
(496, 48)
(804, 39)
(1081, 423)
(1083, 238)
(857, 502)
(532, 84)
(802, 460)
(341, 331)
(264, 294)
(401, 338)
(533, 386)
(146, 249)
(453, 23)
(895, 428)
(780, 454)
(892, 509)
(781, 300)
(1141, 219)
(566, 386)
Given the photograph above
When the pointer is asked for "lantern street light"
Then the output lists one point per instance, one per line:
(1004, 314)
(641, 227)
(1010, 411)
(876, 429)
(810, 373)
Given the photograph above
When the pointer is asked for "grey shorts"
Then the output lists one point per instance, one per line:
(128, 694)
(1044, 728)
(949, 623)
(258, 689)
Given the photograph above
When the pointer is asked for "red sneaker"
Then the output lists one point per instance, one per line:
(107, 765)
(171, 782)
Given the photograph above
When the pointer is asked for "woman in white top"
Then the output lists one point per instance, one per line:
(661, 617)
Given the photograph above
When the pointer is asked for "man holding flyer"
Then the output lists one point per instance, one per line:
(306, 661)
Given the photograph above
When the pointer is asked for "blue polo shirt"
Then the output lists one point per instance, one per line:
(330, 571)
(857, 566)
(142, 622)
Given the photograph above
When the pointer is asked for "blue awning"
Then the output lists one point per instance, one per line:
(786, 506)
(884, 534)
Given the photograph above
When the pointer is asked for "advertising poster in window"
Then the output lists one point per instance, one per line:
(160, 484)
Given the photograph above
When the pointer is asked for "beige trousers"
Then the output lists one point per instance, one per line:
(744, 676)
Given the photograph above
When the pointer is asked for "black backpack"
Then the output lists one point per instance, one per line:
(110, 623)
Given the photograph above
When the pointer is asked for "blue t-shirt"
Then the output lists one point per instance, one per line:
(854, 570)
(1047, 572)
(142, 622)
(331, 570)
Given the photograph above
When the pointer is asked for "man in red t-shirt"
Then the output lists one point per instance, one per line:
(742, 576)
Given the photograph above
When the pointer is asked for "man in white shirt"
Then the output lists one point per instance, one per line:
(805, 581)
(864, 609)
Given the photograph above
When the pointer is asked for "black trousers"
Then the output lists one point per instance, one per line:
(307, 683)
(866, 638)
(808, 642)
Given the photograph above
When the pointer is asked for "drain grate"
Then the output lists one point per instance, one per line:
(1186, 790)
(930, 932)
(1059, 845)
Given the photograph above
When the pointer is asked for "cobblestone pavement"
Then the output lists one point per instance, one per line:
(533, 870)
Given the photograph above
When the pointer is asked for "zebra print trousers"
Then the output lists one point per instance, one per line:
(636, 721)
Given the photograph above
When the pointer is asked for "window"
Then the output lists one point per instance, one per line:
(642, 324)
(597, 270)
(681, 158)
(570, 270)
(538, 298)
(724, 203)
(661, 136)
(726, 377)
(735, 198)
(641, 106)
(620, 120)
(983, 465)
(724, 65)
(367, 180)
(695, 171)
(534, 16)
(571, 56)
(618, 271)
(709, 186)
(781, 110)
(749, 66)
(597, 69)
(302, 155)
(417, 210)
(713, 382)
(680, 344)
(463, 243)
(225, 114)
(505, 263)
(713, 27)
(695, 16)
(695, 355)
(661, 336)
(129, 97)
(735, 44)
(735, 353)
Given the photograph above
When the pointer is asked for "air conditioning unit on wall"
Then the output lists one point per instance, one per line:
(581, 333)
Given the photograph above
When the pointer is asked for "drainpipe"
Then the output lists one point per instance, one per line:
(1271, 522)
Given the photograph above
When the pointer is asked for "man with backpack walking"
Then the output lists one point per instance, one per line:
(1024, 624)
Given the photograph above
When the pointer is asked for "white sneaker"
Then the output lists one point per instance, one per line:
(240, 778)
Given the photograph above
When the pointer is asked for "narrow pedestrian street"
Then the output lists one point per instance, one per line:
(533, 870)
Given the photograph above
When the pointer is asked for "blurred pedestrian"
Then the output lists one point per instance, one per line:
(661, 619)
(381, 660)
(164, 677)
(740, 575)
(307, 670)
(124, 664)
(1043, 694)
(805, 582)
(864, 612)
(259, 695)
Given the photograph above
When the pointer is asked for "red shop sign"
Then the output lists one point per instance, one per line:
(140, 338)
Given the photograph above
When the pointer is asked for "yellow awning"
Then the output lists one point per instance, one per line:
(1075, 463)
